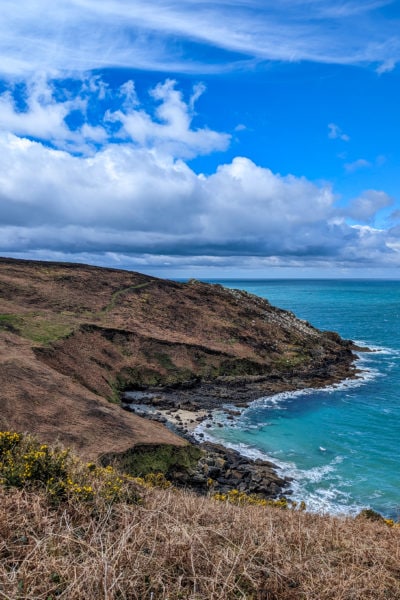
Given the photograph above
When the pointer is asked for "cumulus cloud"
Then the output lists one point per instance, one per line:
(130, 201)
(171, 131)
(41, 116)
(35, 110)
(119, 187)
(87, 34)
(365, 207)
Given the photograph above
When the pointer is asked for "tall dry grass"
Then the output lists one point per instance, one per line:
(176, 545)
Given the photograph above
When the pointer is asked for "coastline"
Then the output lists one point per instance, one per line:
(183, 409)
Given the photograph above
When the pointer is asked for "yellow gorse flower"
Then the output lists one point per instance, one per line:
(24, 462)
(244, 499)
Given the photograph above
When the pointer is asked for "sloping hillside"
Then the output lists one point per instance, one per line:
(72, 337)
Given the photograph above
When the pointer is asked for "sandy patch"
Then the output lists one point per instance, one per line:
(185, 419)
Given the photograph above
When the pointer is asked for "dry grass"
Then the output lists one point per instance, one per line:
(177, 545)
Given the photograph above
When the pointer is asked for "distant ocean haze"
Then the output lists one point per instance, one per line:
(340, 444)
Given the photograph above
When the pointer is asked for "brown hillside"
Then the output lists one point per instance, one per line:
(72, 337)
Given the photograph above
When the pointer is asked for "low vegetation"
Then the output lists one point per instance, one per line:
(73, 530)
(38, 328)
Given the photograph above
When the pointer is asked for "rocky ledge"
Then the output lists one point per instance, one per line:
(222, 470)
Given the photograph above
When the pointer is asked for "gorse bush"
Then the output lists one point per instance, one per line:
(25, 463)
(242, 499)
(372, 515)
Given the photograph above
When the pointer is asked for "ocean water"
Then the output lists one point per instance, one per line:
(341, 444)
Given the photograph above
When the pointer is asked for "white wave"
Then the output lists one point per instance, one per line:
(375, 349)
(366, 375)
(202, 433)
(329, 500)
(320, 487)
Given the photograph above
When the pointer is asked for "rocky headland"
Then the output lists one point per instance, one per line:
(75, 338)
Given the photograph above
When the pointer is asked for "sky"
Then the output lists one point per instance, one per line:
(232, 138)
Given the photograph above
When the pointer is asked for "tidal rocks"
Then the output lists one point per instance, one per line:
(222, 470)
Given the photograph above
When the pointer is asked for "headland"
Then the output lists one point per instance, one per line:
(75, 338)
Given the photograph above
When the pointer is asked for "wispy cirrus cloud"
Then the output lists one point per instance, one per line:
(78, 35)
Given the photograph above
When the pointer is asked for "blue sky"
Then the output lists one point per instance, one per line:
(207, 139)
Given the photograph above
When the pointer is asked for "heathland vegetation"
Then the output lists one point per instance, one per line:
(71, 529)
(103, 520)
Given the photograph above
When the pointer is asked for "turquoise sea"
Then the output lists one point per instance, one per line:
(341, 444)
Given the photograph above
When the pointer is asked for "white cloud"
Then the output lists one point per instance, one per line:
(335, 132)
(43, 116)
(171, 131)
(79, 35)
(32, 109)
(128, 92)
(125, 190)
(365, 207)
(198, 90)
(360, 163)
(132, 201)
(386, 66)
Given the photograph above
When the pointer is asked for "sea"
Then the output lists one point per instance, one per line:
(340, 444)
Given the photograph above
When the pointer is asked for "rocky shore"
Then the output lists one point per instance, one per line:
(220, 469)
